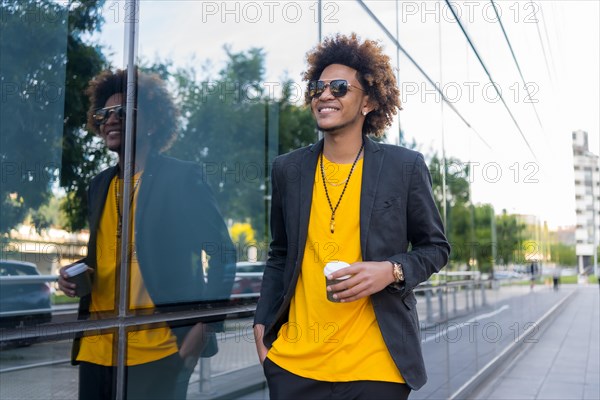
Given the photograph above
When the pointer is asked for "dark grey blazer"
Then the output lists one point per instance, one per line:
(397, 210)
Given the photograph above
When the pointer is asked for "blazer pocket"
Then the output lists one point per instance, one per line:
(388, 204)
(410, 301)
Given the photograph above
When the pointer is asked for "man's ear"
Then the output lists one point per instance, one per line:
(367, 106)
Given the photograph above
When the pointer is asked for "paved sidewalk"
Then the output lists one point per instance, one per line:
(563, 364)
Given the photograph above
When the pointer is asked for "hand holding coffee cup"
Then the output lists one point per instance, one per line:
(329, 269)
(80, 275)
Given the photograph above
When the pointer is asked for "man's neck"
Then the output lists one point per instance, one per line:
(342, 148)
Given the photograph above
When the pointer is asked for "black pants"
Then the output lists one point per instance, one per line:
(285, 385)
(162, 379)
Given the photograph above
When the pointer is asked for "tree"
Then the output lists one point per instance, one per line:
(509, 237)
(564, 254)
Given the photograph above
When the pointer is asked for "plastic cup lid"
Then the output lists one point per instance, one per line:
(76, 269)
(333, 266)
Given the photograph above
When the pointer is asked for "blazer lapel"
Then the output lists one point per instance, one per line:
(307, 180)
(373, 161)
(100, 192)
(97, 193)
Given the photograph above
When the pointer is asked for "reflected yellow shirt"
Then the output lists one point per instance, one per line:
(144, 345)
(322, 340)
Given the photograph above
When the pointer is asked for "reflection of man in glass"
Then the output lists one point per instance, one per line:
(176, 227)
(354, 335)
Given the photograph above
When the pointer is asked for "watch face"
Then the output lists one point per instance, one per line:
(398, 276)
(398, 272)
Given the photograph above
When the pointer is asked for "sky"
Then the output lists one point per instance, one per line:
(518, 163)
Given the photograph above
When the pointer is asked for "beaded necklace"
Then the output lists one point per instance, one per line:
(118, 199)
(334, 209)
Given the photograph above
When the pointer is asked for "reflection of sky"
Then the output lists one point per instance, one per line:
(506, 174)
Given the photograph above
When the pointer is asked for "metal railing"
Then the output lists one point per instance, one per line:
(445, 297)
(72, 308)
(433, 288)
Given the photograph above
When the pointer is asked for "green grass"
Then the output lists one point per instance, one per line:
(568, 280)
(573, 279)
(522, 282)
(564, 280)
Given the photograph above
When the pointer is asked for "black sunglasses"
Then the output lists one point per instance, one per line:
(338, 87)
(103, 114)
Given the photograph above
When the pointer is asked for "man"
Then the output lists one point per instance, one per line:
(533, 272)
(175, 225)
(348, 198)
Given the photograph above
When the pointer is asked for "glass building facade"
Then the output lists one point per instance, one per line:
(211, 92)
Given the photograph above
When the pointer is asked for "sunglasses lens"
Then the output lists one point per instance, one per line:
(120, 112)
(315, 88)
(102, 115)
(338, 87)
(312, 88)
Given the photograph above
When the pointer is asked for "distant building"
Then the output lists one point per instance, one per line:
(587, 201)
(565, 235)
(535, 238)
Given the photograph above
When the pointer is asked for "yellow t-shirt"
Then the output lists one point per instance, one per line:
(144, 345)
(323, 340)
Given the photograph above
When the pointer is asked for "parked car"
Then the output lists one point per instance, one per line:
(22, 303)
(248, 278)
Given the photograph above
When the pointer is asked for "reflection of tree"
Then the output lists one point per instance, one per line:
(30, 105)
(482, 221)
(229, 125)
(83, 156)
(45, 66)
(296, 124)
(458, 220)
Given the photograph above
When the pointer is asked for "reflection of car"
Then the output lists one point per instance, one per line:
(22, 302)
(248, 278)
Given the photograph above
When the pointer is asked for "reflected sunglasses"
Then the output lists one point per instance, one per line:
(338, 88)
(102, 115)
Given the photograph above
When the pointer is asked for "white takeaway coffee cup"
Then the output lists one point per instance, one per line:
(329, 269)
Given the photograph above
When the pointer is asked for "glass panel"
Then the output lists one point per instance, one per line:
(37, 369)
(210, 118)
(50, 51)
(33, 109)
